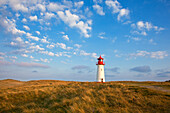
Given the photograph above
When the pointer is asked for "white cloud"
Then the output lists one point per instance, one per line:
(79, 4)
(24, 20)
(51, 54)
(14, 57)
(115, 5)
(63, 46)
(94, 55)
(101, 35)
(97, 1)
(29, 35)
(10, 26)
(18, 5)
(24, 55)
(37, 48)
(117, 8)
(99, 9)
(44, 40)
(156, 54)
(50, 46)
(17, 15)
(19, 39)
(37, 32)
(146, 26)
(33, 18)
(44, 60)
(65, 37)
(74, 21)
(31, 57)
(77, 45)
(62, 54)
(41, 7)
(83, 53)
(55, 7)
(49, 15)
(123, 13)
(140, 24)
(26, 27)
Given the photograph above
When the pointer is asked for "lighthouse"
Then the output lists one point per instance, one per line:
(100, 70)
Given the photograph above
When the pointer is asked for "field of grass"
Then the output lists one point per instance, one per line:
(51, 96)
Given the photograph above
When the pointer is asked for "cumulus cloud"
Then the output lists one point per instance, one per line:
(117, 8)
(36, 48)
(101, 35)
(65, 37)
(115, 5)
(18, 5)
(55, 7)
(26, 27)
(33, 18)
(123, 13)
(24, 20)
(50, 46)
(49, 15)
(44, 60)
(74, 21)
(10, 25)
(51, 54)
(24, 55)
(63, 46)
(145, 26)
(29, 35)
(41, 7)
(18, 42)
(31, 57)
(83, 53)
(37, 32)
(97, 1)
(99, 9)
(142, 69)
(79, 4)
(77, 45)
(156, 54)
(66, 54)
(44, 40)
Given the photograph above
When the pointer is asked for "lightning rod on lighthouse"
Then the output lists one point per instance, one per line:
(100, 70)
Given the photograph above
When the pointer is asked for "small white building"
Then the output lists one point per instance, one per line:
(100, 70)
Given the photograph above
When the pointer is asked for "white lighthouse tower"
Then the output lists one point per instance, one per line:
(100, 70)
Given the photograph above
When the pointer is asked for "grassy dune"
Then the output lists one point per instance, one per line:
(52, 96)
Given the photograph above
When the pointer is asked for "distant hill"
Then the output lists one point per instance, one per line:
(52, 96)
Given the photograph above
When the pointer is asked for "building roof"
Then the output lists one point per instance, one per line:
(100, 58)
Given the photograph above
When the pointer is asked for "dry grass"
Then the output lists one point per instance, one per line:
(50, 96)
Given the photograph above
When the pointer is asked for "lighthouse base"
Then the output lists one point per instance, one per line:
(100, 73)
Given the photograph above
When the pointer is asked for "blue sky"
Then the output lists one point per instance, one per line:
(61, 40)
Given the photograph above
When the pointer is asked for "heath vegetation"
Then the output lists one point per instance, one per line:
(52, 96)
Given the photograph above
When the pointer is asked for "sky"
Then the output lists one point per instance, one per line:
(62, 39)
